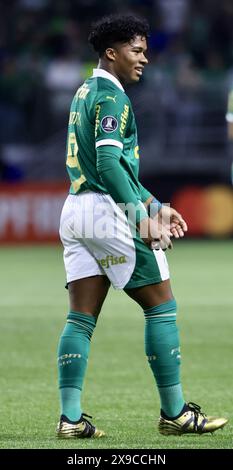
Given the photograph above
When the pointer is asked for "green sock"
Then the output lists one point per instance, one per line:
(163, 352)
(73, 351)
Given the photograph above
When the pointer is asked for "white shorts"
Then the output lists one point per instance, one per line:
(97, 241)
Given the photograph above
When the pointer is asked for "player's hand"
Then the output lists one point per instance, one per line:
(154, 234)
(171, 219)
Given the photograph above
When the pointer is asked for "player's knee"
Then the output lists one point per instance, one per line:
(86, 309)
(165, 311)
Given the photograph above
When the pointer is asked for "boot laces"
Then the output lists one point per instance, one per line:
(84, 415)
(196, 409)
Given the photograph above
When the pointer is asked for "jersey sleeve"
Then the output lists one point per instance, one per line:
(145, 194)
(116, 182)
(112, 115)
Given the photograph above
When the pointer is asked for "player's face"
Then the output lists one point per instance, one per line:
(130, 60)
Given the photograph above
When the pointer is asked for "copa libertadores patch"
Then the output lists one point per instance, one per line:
(109, 124)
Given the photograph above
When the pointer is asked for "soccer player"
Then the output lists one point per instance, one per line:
(103, 164)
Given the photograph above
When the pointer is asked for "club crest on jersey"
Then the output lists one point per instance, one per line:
(109, 124)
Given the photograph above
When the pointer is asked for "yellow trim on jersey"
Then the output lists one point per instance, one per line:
(77, 183)
(136, 151)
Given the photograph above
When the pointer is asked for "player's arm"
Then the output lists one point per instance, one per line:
(169, 217)
(115, 180)
(111, 119)
(152, 204)
(166, 215)
(118, 186)
(110, 114)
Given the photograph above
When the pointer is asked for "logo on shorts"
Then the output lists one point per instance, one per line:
(109, 124)
(105, 262)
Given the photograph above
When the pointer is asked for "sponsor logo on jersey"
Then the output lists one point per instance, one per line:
(75, 118)
(136, 151)
(82, 92)
(113, 98)
(109, 124)
(97, 118)
(124, 117)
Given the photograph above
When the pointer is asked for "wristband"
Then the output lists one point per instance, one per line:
(154, 207)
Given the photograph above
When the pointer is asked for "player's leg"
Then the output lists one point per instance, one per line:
(88, 287)
(86, 299)
(85, 252)
(148, 280)
(153, 294)
(162, 342)
(162, 346)
(87, 295)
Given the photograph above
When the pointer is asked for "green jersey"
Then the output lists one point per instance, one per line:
(101, 115)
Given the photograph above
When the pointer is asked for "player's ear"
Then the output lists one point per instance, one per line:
(110, 54)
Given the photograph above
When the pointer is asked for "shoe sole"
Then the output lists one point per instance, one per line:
(97, 435)
(173, 432)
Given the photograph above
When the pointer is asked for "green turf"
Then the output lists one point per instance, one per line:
(119, 390)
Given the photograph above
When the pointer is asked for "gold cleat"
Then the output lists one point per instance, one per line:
(82, 429)
(191, 421)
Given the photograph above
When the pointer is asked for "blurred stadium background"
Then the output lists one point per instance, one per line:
(180, 107)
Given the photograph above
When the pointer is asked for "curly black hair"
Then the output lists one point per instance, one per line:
(116, 28)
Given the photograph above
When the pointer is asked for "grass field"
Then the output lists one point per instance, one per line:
(119, 390)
